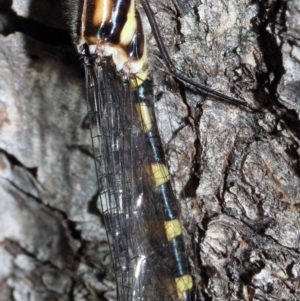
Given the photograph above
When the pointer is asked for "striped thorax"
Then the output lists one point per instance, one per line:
(114, 28)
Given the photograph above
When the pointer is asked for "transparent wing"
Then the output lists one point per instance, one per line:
(137, 202)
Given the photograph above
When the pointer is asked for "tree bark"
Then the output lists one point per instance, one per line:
(236, 172)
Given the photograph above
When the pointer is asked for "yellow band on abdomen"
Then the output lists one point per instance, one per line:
(144, 116)
(173, 229)
(160, 173)
(183, 284)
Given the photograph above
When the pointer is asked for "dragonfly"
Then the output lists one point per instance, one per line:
(139, 207)
(92, 81)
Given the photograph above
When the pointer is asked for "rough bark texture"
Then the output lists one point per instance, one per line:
(239, 170)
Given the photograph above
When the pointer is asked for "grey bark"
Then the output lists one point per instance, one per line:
(235, 171)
